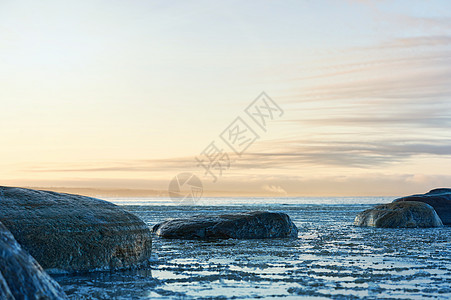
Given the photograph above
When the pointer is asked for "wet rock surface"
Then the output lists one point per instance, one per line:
(21, 277)
(249, 225)
(73, 233)
(407, 214)
(439, 199)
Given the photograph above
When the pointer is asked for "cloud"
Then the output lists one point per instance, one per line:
(422, 77)
(374, 106)
(425, 23)
(416, 118)
(418, 41)
(291, 153)
(148, 165)
(277, 189)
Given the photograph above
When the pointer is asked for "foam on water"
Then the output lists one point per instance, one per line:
(331, 257)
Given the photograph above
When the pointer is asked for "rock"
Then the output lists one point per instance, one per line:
(439, 199)
(21, 277)
(399, 215)
(74, 233)
(250, 225)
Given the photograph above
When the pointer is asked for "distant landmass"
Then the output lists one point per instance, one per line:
(105, 192)
(126, 192)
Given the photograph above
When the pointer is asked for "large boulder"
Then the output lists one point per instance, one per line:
(399, 215)
(21, 277)
(74, 233)
(250, 225)
(439, 199)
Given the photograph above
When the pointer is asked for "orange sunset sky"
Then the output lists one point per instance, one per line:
(126, 94)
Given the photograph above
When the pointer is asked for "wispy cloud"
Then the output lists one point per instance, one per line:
(415, 118)
(423, 77)
(425, 23)
(148, 165)
(419, 41)
(277, 189)
(349, 154)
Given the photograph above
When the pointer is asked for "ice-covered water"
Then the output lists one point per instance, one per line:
(330, 259)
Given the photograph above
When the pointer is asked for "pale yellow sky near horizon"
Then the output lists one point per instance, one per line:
(112, 94)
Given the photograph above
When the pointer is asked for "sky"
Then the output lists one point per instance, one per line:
(127, 94)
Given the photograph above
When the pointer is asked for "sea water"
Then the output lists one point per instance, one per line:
(331, 258)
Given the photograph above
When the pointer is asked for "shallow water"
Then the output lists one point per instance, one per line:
(330, 259)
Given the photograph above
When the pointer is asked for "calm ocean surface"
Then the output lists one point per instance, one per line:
(330, 259)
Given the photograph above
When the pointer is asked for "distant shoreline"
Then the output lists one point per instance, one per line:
(133, 193)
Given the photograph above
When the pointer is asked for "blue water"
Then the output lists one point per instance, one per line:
(330, 259)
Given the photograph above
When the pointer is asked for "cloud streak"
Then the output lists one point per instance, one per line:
(296, 154)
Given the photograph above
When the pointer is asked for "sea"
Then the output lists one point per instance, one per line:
(330, 259)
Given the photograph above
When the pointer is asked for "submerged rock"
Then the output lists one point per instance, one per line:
(21, 277)
(439, 199)
(250, 225)
(73, 233)
(399, 215)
